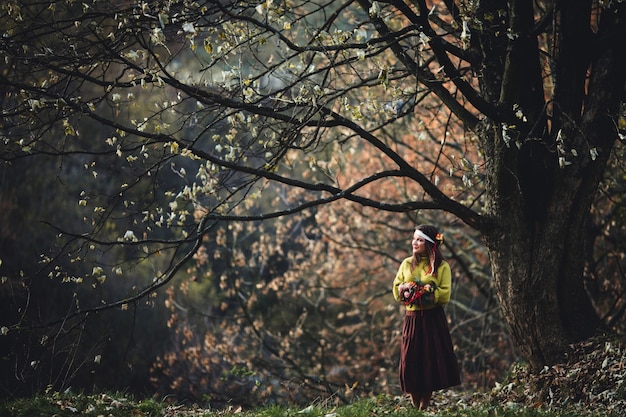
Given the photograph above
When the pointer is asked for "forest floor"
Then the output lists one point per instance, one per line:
(590, 383)
(591, 380)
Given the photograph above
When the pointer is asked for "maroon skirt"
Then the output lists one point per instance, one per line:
(427, 359)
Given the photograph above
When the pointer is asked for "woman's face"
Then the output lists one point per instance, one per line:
(419, 244)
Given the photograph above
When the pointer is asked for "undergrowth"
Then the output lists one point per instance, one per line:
(119, 405)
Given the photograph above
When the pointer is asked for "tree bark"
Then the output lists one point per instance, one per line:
(540, 194)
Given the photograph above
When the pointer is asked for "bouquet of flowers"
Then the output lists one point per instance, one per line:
(411, 292)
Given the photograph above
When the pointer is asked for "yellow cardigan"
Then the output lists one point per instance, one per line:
(442, 282)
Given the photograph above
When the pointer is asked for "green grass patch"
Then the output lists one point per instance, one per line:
(72, 404)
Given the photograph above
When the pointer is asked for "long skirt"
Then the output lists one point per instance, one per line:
(427, 359)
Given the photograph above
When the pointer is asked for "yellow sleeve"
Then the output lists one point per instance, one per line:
(444, 286)
(399, 279)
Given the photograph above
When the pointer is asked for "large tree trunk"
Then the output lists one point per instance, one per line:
(537, 244)
(538, 276)
(540, 188)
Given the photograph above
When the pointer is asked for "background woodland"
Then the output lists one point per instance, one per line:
(210, 200)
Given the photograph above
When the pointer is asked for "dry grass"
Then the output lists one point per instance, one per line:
(590, 383)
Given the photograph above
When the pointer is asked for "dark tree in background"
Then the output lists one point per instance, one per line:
(192, 138)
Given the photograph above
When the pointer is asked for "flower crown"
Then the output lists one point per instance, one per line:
(439, 238)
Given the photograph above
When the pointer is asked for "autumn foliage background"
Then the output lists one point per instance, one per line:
(288, 309)
(305, 308)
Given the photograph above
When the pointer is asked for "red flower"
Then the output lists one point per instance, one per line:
(410, 292)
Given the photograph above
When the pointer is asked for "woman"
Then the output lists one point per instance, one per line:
(422, 284)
